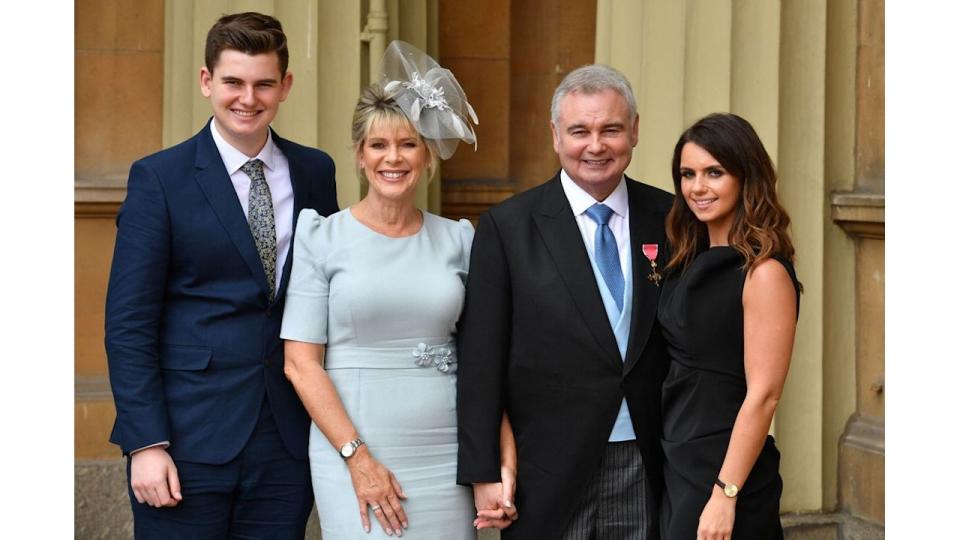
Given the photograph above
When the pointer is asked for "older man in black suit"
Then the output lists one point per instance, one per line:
(559, 331)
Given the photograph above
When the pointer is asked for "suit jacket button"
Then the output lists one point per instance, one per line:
(266, 362)
(269, 311)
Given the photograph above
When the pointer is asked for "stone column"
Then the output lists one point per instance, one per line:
(861, 214)
(765, 61)
(118, 97)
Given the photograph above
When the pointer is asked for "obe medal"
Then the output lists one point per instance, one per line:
(650, 252)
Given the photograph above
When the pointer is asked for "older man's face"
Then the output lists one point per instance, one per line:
(594, 137)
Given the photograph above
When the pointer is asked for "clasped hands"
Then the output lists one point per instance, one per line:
(494, 501)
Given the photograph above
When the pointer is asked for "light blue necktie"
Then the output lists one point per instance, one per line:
(605, 252)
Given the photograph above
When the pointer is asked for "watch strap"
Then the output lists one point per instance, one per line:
(354, 444)
(729, 489)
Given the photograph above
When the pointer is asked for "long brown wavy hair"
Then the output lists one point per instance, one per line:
(760, 223)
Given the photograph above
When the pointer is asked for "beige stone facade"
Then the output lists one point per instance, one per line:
(807, 73)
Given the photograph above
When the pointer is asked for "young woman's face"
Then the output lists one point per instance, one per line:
(711, 193)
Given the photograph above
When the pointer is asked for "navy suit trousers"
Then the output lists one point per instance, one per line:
(262, 493)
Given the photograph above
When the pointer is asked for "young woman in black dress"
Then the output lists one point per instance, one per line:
(728, 311)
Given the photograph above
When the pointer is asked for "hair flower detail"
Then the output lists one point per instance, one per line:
(439, 356)
(429, 96)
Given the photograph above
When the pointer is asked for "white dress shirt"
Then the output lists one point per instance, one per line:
(619, 222)
(276, 169)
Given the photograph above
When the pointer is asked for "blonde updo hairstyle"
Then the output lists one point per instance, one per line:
(376, 107)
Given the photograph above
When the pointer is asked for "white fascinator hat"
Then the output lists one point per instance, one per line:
(429, 96)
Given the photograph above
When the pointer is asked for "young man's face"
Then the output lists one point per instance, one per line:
(245, 92)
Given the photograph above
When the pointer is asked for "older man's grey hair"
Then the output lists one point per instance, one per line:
(592, 79)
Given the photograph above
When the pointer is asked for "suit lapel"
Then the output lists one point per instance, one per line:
(560, 233)
(215, 183)
(646, 227)
(298, 178)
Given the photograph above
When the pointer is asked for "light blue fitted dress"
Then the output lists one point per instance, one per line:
(387, 310)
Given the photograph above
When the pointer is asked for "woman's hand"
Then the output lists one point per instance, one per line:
(494, 501)
(377, 488)
(716, 520)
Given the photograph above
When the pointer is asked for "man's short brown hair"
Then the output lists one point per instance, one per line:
(250, 33)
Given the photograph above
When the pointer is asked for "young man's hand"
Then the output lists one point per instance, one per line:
(153, 477)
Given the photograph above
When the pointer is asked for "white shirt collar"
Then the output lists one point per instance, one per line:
(580, 200)
(233, 159)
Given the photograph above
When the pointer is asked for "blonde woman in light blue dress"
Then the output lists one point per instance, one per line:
(370, 320)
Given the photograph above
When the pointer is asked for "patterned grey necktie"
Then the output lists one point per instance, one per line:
(260, 217)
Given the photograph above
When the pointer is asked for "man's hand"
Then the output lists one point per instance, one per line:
(153, 477)
(494, 501)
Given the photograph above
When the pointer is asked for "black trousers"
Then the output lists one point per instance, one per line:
(618, 503)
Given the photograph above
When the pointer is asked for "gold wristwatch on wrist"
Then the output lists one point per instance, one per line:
(730, 490)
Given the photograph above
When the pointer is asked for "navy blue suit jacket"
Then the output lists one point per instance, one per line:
(193, 343)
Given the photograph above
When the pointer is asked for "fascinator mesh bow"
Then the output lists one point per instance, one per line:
(429, 96)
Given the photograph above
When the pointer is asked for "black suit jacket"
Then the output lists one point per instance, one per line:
(193, 341)
(534, 339)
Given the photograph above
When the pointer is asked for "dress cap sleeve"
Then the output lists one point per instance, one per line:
(466, 239)
(306, 310)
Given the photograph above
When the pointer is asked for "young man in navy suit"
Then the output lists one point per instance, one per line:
(215, 435)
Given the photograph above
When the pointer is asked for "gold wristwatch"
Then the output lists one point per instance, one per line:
(730, 490)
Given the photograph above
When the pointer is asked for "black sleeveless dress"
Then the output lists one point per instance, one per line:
(701, 314)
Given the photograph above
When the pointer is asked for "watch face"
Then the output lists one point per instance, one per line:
(347, 450)
(730, 490)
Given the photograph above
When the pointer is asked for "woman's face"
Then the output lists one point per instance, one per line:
(393, 158)
(711, 193)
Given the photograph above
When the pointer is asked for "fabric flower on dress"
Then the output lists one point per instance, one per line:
(439, 356)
